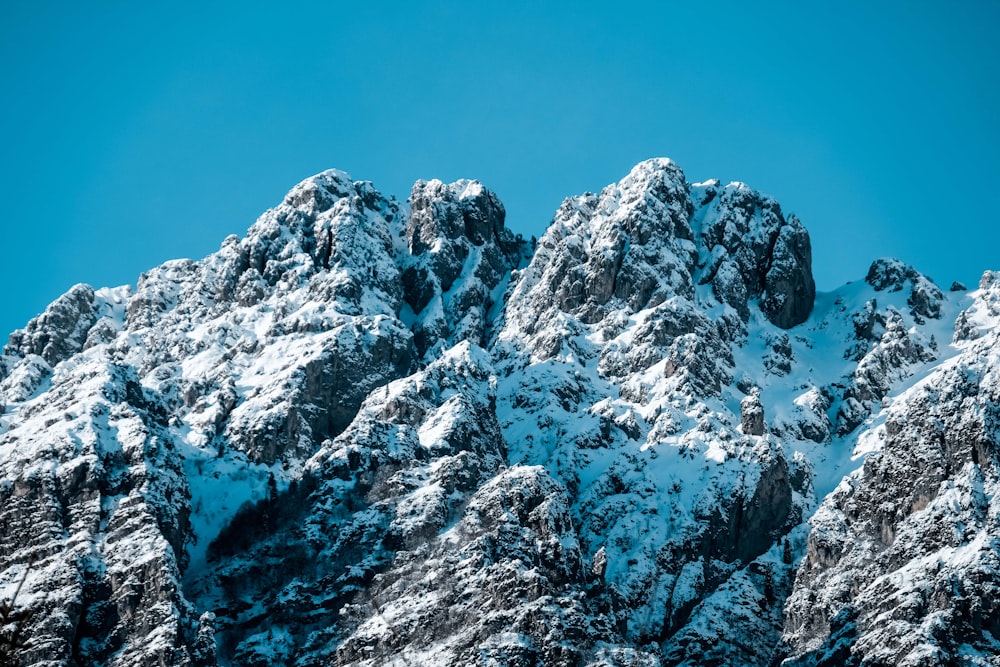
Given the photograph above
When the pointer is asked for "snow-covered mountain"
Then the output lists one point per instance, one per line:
(379, 433)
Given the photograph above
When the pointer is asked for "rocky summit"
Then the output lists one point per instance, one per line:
(381, 433)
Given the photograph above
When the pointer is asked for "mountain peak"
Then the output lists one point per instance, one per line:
(373, 432)
(655, 167)
(320, 191)
(889, 274)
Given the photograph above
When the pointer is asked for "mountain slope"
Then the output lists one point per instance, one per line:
(902, 564)
(381, 433)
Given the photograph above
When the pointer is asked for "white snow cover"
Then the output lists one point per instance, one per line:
(374, 433)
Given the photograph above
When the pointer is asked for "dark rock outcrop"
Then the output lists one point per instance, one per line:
(752, 415)
(751, 250)
(460, 253)
(60, 331)
(925, 297)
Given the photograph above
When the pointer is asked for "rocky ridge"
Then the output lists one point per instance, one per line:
(382, 433)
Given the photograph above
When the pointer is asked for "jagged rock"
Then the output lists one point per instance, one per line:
(789, 289)
(864, 321)
(117, 494)
(752, 415)
(902, 544)
(455, 231)
(369, 433)
(779, 356)
(889, 361)
(891, 274)
(24, 378)
(60, 331)
(629, 246)
(886, 273)
(755, 252)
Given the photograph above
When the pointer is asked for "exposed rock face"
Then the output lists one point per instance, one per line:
(925, 297)
(751, 250)
(651, 238)
(60, 331)
(413, 463)
(168, 407)
(99, 516)
(902, 566)
(371, 433)
(752, 415)
(889, 346)
(462, 256)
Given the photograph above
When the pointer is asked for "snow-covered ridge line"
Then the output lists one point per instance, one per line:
(372, 432)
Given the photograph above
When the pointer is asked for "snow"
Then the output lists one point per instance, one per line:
(219, 487)
(623, 418)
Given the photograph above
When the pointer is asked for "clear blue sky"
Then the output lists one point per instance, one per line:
(131, 133)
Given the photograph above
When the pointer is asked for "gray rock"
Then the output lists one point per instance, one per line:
(60, 331)
(789, 290)
(890, 274)
(880, 568)
(460, 253)
(367, 433)
(753, 251)
(752, 415)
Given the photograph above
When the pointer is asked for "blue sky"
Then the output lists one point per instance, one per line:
(132, 133)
